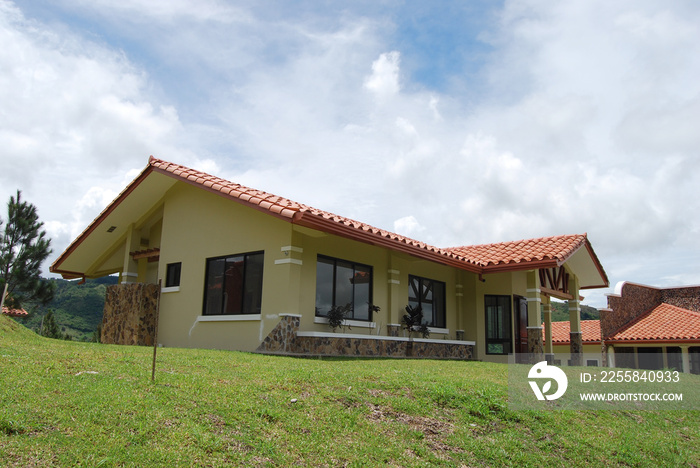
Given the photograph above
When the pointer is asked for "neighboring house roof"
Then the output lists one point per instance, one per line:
(14, 312)
(590, 332)
(507, 256)
(663, 323)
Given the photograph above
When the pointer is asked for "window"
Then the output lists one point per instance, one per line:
(498, 324)
(430, 295)
(234, 284)
(694, 357)
(339, 282)
(650, 358)
(674, 358)
(172, 274)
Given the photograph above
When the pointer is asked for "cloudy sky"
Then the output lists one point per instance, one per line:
(451, 122)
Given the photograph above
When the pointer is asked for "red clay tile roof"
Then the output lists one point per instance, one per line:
(590, 332)
(665, 322)
(14, 312)
(556, 248)
(526, 254)
(553, 249)
(305, 215)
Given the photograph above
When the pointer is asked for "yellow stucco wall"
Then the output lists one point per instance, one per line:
(500, 284)
(590, 351)
(197, 225)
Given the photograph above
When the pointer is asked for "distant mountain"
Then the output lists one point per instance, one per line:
(77, 307)
(560, 312)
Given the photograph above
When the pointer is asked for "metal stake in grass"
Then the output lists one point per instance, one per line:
(155, 334)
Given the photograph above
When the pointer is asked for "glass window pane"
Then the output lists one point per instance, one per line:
(427, 291)
(439, 304)
(495, 348)
(214, 292)
(343, 283)
(361, 297)
(427, 313)
(252, 296)
(414, 289)
(233, 285)
(172, 274)
(324, 286)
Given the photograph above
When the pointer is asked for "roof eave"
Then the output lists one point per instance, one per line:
(329, 226)
(55, 266)
(654, 341)
(286, 214)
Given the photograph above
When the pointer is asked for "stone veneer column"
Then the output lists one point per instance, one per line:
(282, 338)
(534, 318)
(575, 321)
(129, 314)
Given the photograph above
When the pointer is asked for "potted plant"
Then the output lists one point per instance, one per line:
(336, 316)
(413, 323)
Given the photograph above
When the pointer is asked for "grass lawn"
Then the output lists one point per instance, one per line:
(82, 404)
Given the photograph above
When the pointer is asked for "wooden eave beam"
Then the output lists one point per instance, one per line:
(151, 254)
(558, 294)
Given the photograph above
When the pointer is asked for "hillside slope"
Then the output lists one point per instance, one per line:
(77, 307)
(85, 404)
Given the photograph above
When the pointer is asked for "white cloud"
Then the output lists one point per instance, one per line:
(384, 80)
(409, 226)
(583, 120)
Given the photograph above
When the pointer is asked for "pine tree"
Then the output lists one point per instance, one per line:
(49, 327)
(23, 248)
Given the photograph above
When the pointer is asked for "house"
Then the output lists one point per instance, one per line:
(590, 339)
(643, 327)
(21, 313)
(243, 269)
(646, 327)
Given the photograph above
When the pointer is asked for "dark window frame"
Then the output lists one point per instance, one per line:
(505, 341)
(172, 274)
(438, 304)
(335, 260)
(210, 261)
(694, 359)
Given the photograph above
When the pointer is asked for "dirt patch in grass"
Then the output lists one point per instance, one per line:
(434, 430)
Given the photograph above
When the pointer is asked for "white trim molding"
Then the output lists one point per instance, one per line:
(378, 337)
(230, 318)
(349, 323)
(294, 261)
(291, 248)
(171, 289)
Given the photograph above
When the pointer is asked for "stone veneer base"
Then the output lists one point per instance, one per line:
(285, 339)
